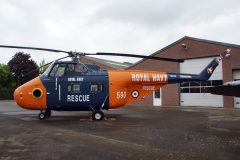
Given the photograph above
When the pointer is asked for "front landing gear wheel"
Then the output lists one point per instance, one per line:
(97, 115)
(48, 113)
(41, 116)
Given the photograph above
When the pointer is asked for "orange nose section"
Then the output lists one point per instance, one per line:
(31, 95)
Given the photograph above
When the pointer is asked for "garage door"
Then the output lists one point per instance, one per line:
(236, 76)
(194, 93)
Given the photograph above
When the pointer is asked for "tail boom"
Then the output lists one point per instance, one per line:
(204, 75)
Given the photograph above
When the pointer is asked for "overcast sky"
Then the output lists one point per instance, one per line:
(127, 26)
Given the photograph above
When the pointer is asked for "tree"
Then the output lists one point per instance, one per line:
(23, 68)
(7, 82)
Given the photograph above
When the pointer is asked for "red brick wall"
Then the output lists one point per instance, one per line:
(195, 49)
(228, 66)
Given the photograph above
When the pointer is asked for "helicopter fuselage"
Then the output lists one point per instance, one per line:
(68, 86)
(73, 86)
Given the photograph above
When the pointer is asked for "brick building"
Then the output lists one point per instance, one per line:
(197, 53)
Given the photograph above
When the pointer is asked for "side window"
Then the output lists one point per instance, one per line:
(70, 70)
(70, 67)
(74, 88)
(96, 88)
(75, 69)
(79, 68)
(58, 70)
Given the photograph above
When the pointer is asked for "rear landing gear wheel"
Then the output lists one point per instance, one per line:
(97, 115)
(48, 113)
(41, 116)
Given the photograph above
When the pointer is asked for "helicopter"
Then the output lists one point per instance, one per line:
(231, 88)
(75, 86)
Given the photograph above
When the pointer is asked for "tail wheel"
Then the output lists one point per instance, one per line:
(41, 116)
(97, 115)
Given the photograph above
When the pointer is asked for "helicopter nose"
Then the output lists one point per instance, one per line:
(31, 95)
(18, 95)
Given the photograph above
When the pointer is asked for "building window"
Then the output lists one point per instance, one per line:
(184, 90)
(195, 90)
(184, 84)
(195, 83)
(217, 82)
(206, 83)
(198, 86)
(157, 94)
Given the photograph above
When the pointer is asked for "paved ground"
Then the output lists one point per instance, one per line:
(128, 133)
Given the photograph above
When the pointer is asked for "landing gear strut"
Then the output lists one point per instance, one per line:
(97, 115)
(43, 115)
(48, 113)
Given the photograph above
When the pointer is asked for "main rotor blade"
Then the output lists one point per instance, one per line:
(35, 48)
(44, 66)
(54, 61)
(136, 56)
(74, 54)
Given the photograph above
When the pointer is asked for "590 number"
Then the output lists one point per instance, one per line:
(121, 95)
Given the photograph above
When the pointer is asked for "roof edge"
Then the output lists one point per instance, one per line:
(190, 38)
(159, 51)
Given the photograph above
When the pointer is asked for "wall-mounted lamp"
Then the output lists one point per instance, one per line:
(228, 53)
(184, 46)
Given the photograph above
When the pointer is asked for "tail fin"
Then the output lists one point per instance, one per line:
(208, 71)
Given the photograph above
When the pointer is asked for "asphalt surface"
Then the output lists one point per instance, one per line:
(128, 133)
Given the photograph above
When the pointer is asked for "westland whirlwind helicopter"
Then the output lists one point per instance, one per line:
(75, 86)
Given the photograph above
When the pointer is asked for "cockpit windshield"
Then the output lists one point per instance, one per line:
(65, 69)
(58, 70)
(48, 70)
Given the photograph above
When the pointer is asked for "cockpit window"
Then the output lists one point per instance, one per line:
(80, 68)
(67, 69)
(73, 69)
(58, 70)
(70, 67)
(48, 70)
